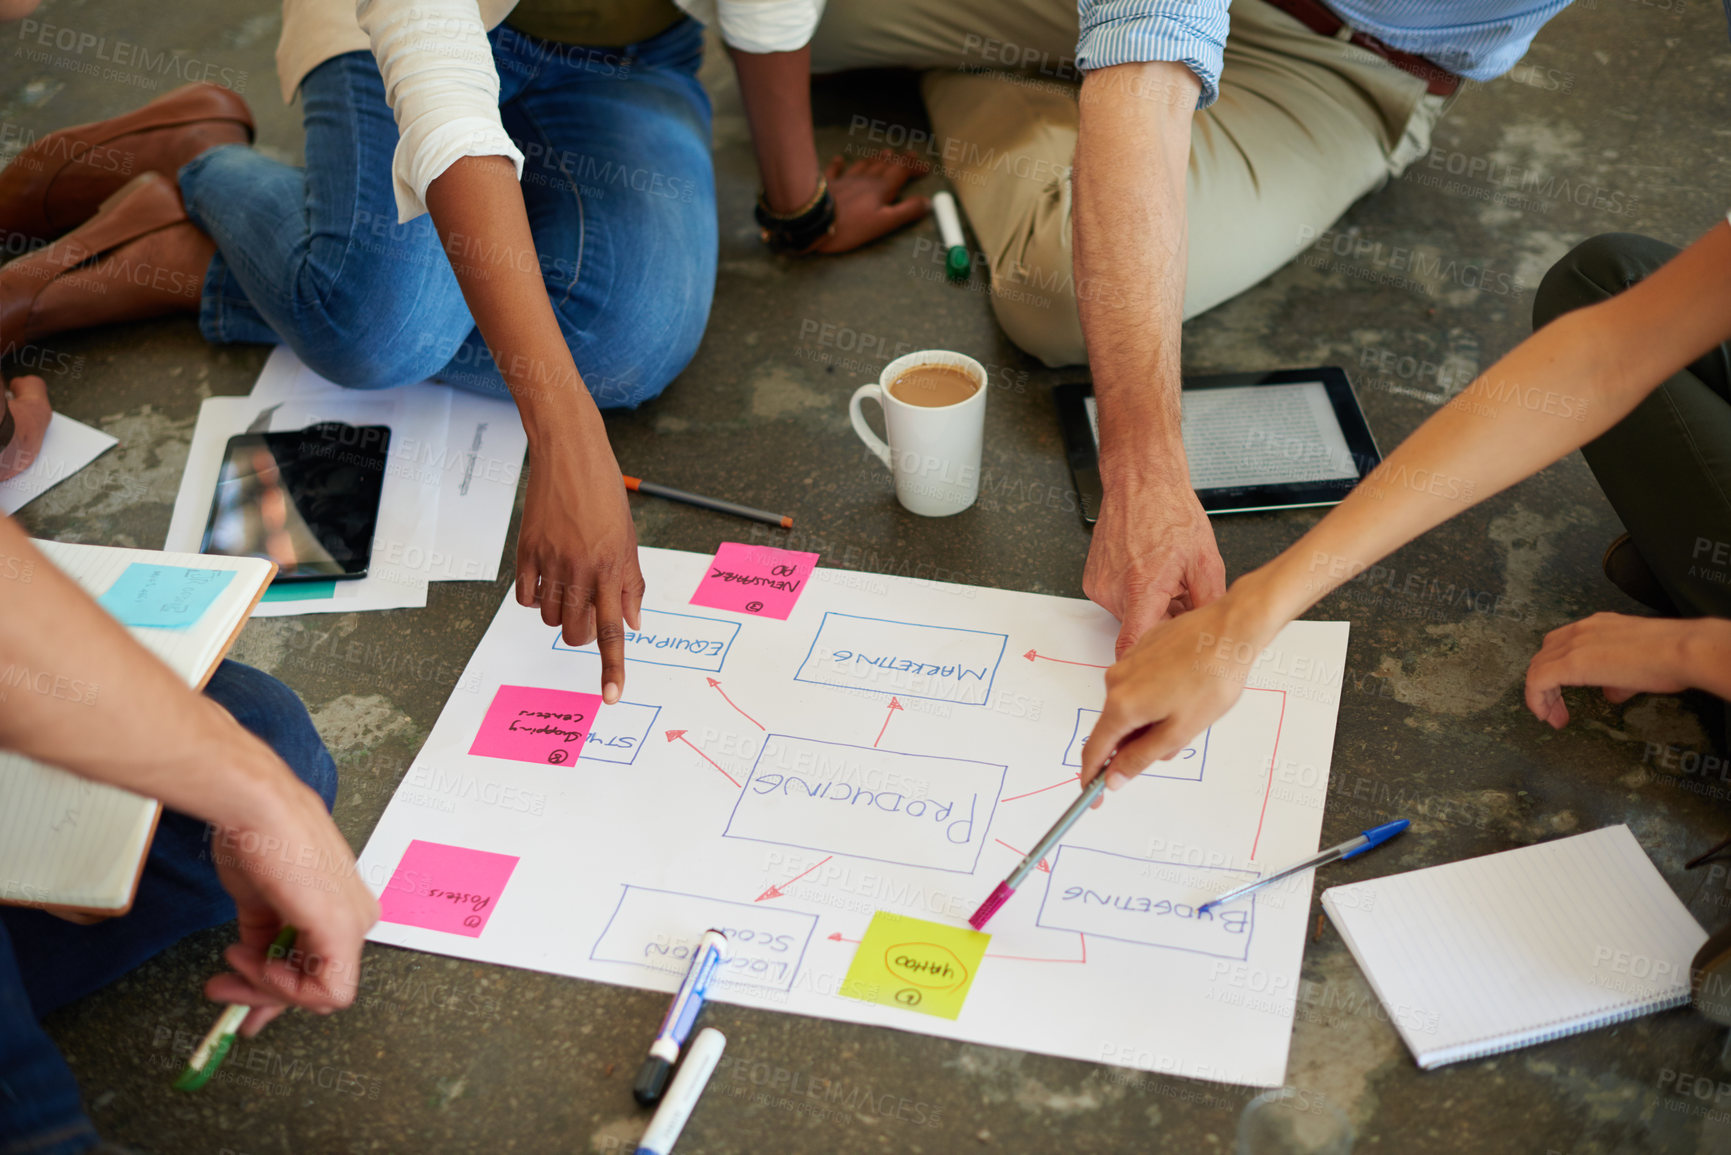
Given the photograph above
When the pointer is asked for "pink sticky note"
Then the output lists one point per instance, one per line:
(532, 724)
(446, 888)
(755, 579)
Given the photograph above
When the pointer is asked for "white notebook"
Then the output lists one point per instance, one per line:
(67, 841)
(1493, 953)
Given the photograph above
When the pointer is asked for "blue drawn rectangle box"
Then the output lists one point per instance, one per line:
(619, 732)
(1186, 766)
(908, 659)
(659, 929)
(688, 641)
(1148, 901)
(924, 810)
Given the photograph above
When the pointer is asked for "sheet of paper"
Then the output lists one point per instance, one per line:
(67, 447)
(894, 745)
(406, 510)
(1263, 435)
(915, 965)
(477, 457)
(755, 579)
(529, 724)
(448, 889)
(166, 596)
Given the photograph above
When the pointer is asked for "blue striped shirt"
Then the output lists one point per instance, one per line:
(1477, 39)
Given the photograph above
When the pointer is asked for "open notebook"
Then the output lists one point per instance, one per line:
(66, 841)
(1493, 953)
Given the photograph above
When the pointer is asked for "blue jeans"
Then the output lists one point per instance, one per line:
(47, 962)
(620, 194)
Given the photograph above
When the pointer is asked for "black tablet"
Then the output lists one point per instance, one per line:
(1283, 439)
(307, 499)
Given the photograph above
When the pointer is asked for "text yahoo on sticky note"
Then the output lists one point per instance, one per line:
(911, 809)
(536, 724)
(945, 663)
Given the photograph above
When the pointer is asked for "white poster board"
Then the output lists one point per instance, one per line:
(757, 778)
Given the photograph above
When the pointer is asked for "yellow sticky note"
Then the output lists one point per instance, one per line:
(916, 965)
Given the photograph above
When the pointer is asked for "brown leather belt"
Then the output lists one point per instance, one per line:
(1322, 21)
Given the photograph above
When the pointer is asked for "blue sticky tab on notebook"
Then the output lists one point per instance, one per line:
(164, 596)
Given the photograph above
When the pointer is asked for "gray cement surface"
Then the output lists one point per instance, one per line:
(1619, 103)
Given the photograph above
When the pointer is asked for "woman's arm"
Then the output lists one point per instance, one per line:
(577, 549)
(1553, 393)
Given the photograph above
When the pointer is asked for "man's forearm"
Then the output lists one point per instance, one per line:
(132, 722)
(776, 90)
(1132, 153)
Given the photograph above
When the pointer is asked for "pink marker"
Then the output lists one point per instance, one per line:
(1062, 827)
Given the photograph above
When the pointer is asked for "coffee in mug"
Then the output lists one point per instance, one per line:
(933, 386)
(934, 404)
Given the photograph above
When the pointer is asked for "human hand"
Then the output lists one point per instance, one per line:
(1623, 654)
(865, 195)
(285, 863)
(1153, 557)
(577, 550)
(1176, 681)
(28, 404)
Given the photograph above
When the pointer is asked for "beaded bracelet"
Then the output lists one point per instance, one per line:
(799, 230)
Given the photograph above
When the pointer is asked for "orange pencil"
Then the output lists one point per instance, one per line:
(638, 485)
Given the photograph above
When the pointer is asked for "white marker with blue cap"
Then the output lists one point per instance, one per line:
(711, 952)
(700, 1060)
(1351, 848)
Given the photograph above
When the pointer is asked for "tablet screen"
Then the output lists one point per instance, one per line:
(1259, 435)
(1275, 440)
(307, 499)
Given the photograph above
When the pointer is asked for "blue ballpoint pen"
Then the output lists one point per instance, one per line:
(1351, 848)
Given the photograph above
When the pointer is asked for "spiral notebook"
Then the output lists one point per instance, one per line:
(1476, 957)
(79, 845)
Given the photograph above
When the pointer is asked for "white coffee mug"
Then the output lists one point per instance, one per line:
(933, 452)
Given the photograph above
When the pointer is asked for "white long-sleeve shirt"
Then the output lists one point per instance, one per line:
(438, 67)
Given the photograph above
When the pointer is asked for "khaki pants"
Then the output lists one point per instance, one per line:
(1305, 125)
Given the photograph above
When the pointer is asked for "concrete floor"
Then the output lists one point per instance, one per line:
(1619, 97)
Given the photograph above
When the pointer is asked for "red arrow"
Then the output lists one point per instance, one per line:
(894, 706)
(1269, 788)
(776, 891)
(1032, 654)
(1024, 958)
(680, 735)
(1043, 789)
(1044, 869)
(734, 704)
(839, 937)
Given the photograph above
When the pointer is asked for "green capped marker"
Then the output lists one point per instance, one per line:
(215, 1047)
(957, 263)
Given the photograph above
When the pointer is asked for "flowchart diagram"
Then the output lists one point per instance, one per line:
(798, 750)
